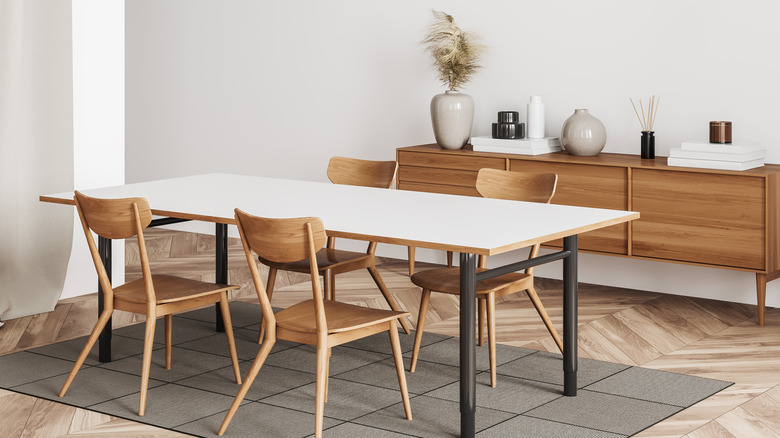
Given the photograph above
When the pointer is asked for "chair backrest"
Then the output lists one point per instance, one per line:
(115, 219)
(366, 173)
(356, 172)
(517, 186)
(283, 241)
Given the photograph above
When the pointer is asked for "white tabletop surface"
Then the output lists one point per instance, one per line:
(427, 220)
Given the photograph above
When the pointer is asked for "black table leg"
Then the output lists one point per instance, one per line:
(570, 317)
(104, 341)
(468, 358)
(221, 268)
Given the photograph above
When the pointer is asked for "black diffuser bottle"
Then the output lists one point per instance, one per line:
(648, 144)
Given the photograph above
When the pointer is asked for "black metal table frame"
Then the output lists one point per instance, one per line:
(468, 355)
(468, 282)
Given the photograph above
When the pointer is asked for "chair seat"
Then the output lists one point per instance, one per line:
(327, 258)
(447, 280)
(340, 316)
(168, 289)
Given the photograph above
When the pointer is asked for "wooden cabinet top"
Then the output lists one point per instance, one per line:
(603, 159)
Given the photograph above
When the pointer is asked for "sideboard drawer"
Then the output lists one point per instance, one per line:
(588, 186)
(699, 217)
(438, 188)
(432, 175)
(447, 161)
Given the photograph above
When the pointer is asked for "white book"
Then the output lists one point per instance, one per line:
(714, 164)
(703, 146)
(523, 143)
(517, 150)
(717, 156)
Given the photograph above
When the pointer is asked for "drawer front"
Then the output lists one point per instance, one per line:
(441, 172)
(588, 186)
(449, 161)
(715, 219)
(431, 175)
(438, 188)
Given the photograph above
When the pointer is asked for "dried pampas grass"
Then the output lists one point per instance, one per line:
(455, 52)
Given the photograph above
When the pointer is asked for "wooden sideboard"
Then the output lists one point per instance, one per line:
(716, 218)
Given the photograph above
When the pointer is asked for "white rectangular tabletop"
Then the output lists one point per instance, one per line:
(428, 220)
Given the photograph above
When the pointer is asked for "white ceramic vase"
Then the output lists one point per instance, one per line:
(583, 134)
(452, 114)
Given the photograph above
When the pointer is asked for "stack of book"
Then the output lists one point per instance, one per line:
(717, 156)
(522, 146)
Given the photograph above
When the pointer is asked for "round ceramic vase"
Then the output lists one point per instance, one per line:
(452, 114)
(582, 134)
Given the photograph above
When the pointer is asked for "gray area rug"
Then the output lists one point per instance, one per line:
(363, 399)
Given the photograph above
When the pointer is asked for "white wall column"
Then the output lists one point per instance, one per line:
(98, 123)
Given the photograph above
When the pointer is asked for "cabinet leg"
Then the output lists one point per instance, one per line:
(760, 296)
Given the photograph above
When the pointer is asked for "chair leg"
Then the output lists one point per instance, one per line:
(151, 319)
(269, 290)
(424, 300)
(545, 317)
(399, 367)
(327, 373)
(481, 326)
(321, 387)
(411, 261)
(223, 305)
(93, 337)
(388, 296)
(250, 378)
(168, 340)
(491, 321)
(449, 259)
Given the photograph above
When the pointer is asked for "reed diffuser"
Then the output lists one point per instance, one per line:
(647, 121)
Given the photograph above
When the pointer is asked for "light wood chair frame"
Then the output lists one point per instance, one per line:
(331, 261)
(152, 295)
(319, 322)
(500, 184)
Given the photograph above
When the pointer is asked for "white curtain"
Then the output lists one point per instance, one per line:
(36, 153)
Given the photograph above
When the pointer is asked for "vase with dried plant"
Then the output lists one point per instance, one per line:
(455, 57)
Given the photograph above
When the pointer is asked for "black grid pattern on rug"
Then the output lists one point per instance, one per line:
(363, 396)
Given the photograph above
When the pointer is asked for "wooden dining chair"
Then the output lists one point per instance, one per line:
(151, 295)
(332, 261)
(500, 184)
(319, 322)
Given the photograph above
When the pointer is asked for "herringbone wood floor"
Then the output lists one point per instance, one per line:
(693, 336)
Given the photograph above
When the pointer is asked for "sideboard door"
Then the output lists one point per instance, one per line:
(709, 218)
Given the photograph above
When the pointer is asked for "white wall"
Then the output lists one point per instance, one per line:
(276, 88)
(98, 125)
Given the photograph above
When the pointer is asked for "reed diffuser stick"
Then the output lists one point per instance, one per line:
(647, 121)
(656, 110)
(637, 114)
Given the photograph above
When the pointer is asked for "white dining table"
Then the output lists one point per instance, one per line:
(471, 226)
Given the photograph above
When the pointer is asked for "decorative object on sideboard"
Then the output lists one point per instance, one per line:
(647, 139)
(508, 126)
(647, 144)
(583, 134)
(535, 117)
(520, 146)
(720, 132)
(717, 156)
(455, 54)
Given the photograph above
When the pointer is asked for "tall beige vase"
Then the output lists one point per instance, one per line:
(452, 114)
